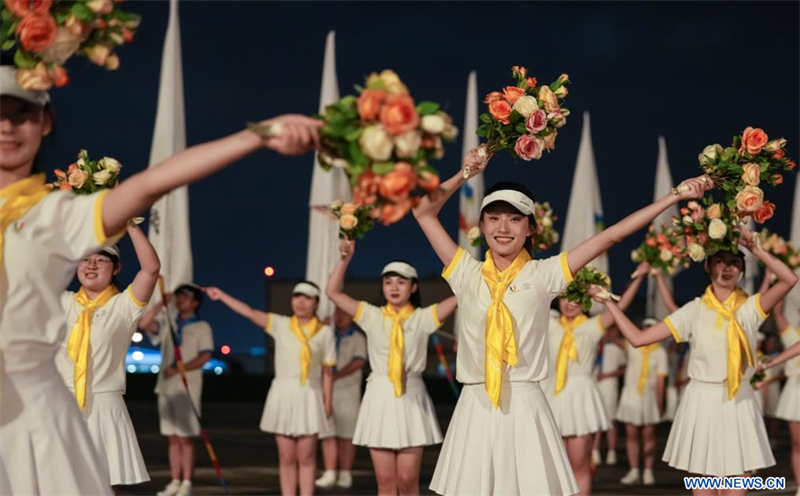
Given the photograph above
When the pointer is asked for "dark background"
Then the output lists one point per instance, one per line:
(696, 73)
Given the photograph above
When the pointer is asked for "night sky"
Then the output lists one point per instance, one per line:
(696, 73)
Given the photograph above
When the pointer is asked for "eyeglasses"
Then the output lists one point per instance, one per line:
(97, 262)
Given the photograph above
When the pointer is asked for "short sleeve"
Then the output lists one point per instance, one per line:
(554, 274)
(79, 220)
(134, 307)
(329, 348)
(681, 320)
(275, 322)
(369, 317)
(751, 315)
(359, 346)
(662, 365)
(460, 269)
(429, 320)
(790, 336)
(592, 328)
(205, 338)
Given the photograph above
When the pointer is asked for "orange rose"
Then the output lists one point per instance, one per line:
(429, 181)
(764, 213)
(749, 199)
(348, 222)
(365, 191)
(512, 94)
(36, 31)
(21, 8)
(753, 140)
(777, 179)
(397, 185)
(650, 242)
(661, 239)
(348, 209)
(500, 110)
(791, 164)
(531, 82)
(522, 71)
(393, 212)
(369, 104)
(493, 97)
(399, 115)
(779, 154)
(59, 75)
(751, 175)
(127, 35)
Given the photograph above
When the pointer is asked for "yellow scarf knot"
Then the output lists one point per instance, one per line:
(397, 345)
(312, 327)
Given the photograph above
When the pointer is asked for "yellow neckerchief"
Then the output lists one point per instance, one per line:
(501, 346)
(397, 344)
(79, 338)
(312, 327)
(646, 350)
(737, 339)
(19, 197)
(568, 350)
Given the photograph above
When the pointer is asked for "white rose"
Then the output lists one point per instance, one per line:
(687, 220)
(336, 204)
(561, 92)
(407, 144)
(547, 222)
(556, 237)
(65, 44)
(665, 255)
(717, 229)
(450, 132)
(376, 143)
(710, 154)
(110, 164)
(474, 233)
(433, 124)
(637, 256)
(526, 105)
(100, 178)
(696, 252)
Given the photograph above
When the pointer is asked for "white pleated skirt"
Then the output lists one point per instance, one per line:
(716, 437)
(388, 422)
(45, 446)
(609, 392)
(295, 410)
(638, 409)
(578, 408)
(112, 432)
(346, 403)
(512, 450)
(788, 407)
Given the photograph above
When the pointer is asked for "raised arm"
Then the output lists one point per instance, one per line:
(148, 321)
(635, 336)
(664, 291)
(257, 317)
(427, 212)
(601, 242)
(445, 308)
(149, 265)
(780, 318)
(784, 356)
(628, 295)
(786, 278)
(140, 191)
(335, 288)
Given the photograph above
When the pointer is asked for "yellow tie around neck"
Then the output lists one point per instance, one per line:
(19, 197)
(313, 326)
(737, 339)
(568, 349)
(646, 350)
(78, 343)
(501, 345)
(397, 345)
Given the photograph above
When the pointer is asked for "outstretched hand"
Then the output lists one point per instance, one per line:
(293, 134)
(347, 248)
(694, 188)
(213, 293)
(475, 162)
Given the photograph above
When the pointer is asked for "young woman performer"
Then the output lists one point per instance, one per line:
(610, 367)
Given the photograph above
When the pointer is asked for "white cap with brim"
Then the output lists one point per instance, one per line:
(401, 268)
(306, 289)
(9, 87)
(111, 250)
(518, 200)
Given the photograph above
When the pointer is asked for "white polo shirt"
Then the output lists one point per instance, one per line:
(288, 347)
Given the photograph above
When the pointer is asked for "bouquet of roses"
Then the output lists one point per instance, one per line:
(578, 289)
(384, 141)
(524, 119)
(87, 176)
(49, 32)
(739, 170)
(545, 236)
(354, 221)
(783, 250)
(663, 248)
(708, 228)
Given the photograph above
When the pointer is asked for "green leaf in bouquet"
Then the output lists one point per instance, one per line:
(427, 108)
(544, 132)
(483, 130)
(515, 117)
(698, 226)
(382, 168)
(24, 60)
(354, 171)
(5, 14)
(356, 156)
(8, 44)
(737, 142)
(555, 85)
(352, 134)
(521, 128)
(81, 11)
(348, 102)
(731, 204)
(486, 118)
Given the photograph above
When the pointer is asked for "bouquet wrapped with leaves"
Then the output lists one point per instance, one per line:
(740, 170)
(783, 250)
(354, 221)
(384, 142)
(545, 236)
(46, 33)
(524, 119)
(578, 289)
(708, 228)
(87, 176)
(663, 248)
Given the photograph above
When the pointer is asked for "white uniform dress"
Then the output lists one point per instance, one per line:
(294, 409)
(578, 408)
(712, 435)
(105, 412)
(641, 407)
(384, 420)
(768, 399)
(516, 448)
(175, 413)
(45, 446)
(350, 345)
(789, 403)
(612, 358)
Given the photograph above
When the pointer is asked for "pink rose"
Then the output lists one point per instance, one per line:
(753, 140)
(529, 147)
(536, 122)
(697, 215)
(702, 238)
(557, 118)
